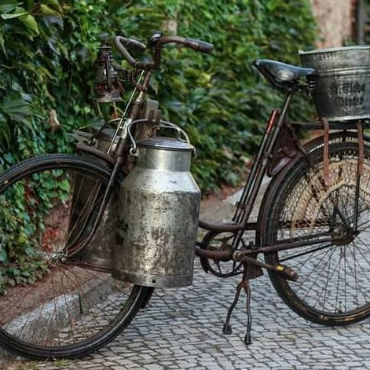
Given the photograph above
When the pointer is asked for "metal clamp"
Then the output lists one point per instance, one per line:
(161, 124)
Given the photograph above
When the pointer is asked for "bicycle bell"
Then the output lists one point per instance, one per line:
(157, 226)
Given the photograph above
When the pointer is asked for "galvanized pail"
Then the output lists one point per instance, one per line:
(343, 86)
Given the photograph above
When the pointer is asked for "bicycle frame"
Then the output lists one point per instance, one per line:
(253, 183)
(240, 221)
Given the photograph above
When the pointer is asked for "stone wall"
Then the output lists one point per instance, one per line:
(335, 19)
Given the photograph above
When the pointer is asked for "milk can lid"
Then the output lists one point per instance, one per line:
(166, 143)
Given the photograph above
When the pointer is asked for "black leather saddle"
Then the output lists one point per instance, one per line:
(283, 76)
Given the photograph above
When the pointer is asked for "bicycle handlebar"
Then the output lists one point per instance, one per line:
(195, 44)
(156, 45)
(120, 40)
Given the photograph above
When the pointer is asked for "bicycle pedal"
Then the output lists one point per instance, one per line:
(287, 272)
(227, 329)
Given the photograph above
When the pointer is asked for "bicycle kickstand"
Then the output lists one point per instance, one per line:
(247, 288)
(245, 285)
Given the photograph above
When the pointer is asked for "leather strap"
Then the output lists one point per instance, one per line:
(361, 154)
(326, 149)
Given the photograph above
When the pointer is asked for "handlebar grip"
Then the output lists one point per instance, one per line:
(132, 43)
(118, 40)
(123, 50)
(199, 45)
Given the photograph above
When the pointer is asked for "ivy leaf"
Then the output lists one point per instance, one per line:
(29, 250)
(14, 105)
(2, 44)
(30, 22)
(26, 274)
(13, 15)
(64, 185)
(54, 3)
(8, 6)
(46, 10)
(3, 256)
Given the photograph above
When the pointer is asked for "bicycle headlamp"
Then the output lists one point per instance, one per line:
(107, 87)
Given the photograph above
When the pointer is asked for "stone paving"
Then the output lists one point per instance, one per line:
(182, 329)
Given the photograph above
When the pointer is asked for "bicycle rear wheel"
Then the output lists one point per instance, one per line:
(61, 300)
(334, 283)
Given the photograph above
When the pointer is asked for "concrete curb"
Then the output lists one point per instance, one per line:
(38, 321)
(223, 209)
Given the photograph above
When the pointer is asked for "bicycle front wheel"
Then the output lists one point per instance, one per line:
(60, 300)
(334, 283)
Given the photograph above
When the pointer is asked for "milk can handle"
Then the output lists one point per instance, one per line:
(162, 124)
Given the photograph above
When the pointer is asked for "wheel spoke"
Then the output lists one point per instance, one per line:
(307, 276)
(334, 283)
(310, 251)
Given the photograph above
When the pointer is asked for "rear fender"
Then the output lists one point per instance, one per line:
(278, 177)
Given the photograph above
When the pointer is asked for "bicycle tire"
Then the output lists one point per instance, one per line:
(101, 313)
(331, 290)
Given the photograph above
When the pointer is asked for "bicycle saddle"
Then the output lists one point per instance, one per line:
(283, 76)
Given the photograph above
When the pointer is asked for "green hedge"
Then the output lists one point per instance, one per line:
(48, 47)
(47, 54)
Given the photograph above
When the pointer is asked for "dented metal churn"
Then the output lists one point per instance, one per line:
(158, 217)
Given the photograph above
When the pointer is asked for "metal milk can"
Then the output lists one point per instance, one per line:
(158, 216)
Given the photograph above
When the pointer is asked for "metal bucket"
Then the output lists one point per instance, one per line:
(343, 86)
(97, 254)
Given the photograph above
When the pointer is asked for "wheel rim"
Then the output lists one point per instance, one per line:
(69, 299)
(335, 276)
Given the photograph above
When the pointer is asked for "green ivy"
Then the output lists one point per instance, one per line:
(47, 54)
(48, 49)
(218, 98)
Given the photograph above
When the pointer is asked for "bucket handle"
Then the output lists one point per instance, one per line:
(161, 124)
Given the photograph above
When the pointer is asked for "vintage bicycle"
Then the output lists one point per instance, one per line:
(314, 216)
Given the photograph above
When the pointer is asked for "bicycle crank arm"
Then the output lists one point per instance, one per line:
(283, 270)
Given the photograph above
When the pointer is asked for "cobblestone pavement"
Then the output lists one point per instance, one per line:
(182, 329)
